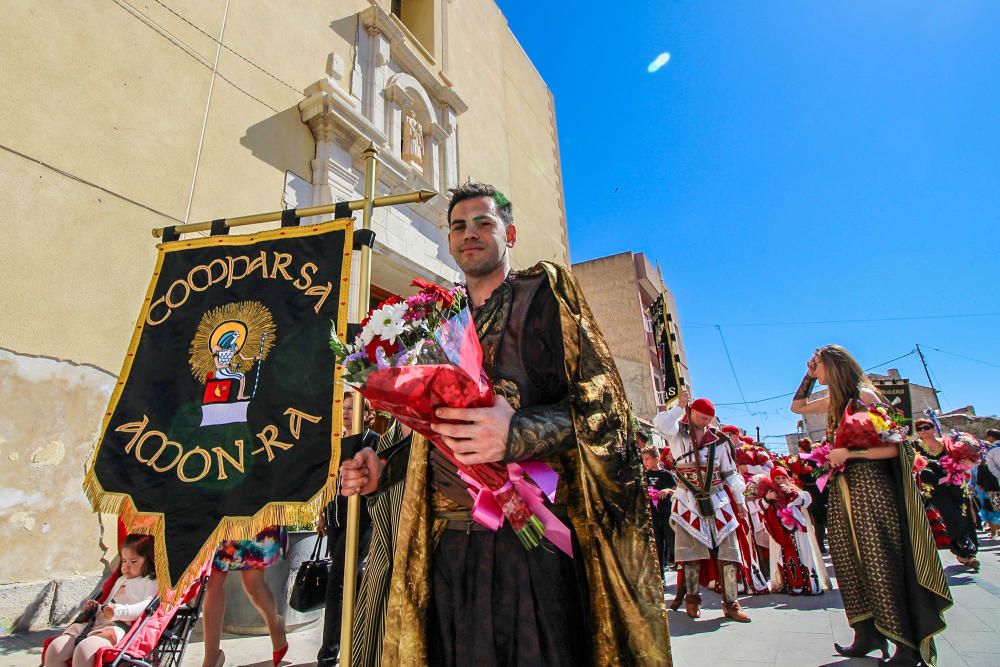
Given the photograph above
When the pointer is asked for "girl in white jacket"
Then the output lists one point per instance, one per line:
(129, 596)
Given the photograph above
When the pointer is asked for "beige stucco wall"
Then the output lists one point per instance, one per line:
(116, 94)
(610, 285)
(46, 524)
(508, 136)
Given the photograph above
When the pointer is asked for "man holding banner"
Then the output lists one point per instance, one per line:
(707, 504)
(462, 594)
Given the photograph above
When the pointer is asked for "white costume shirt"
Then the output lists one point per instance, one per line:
(685, 512)
(130, 597)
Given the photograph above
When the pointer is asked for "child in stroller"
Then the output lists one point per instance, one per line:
(158, 637)
(101, 626)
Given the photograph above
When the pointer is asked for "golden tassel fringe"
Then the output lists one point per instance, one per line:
(229, 528)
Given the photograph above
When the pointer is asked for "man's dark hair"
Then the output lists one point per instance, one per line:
(472, 190)
(643, 436)
(993, 433)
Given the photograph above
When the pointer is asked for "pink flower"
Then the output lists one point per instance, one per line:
(440, 294)
(420, 300)
(788, 519)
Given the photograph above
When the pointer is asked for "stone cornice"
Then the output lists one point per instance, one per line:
(330, 112)
(375, 19)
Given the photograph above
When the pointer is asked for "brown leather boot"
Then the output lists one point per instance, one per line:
(734, 611)
(692, 605)
(678, 601)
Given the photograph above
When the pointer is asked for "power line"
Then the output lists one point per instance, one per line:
(80, 179)
(791, 393)
(962, 356)
(188, 49)
(235, 53)
(733, 368)
(885, 363)
(761, 400)
(902, 318)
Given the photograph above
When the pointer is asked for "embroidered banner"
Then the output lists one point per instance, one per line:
(226, 417)
(897, 394)
(664, 340)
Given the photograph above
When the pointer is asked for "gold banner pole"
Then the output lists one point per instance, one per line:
(354, 205)
(366, 206)
(354, 502)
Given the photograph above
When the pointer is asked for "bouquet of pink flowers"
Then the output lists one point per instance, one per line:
(654, 495)
(963, 452)
(416, 355)
(820, 455)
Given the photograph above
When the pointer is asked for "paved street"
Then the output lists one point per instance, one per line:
(786, 631)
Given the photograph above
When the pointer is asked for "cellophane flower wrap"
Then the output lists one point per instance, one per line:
(820, 456)
(869, 426)
(416, 355)
(757, 486)
(963, 452)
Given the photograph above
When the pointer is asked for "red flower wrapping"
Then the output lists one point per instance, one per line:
(443, 296)
(856, 431)
(413, 394)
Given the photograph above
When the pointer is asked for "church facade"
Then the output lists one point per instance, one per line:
(125, 116)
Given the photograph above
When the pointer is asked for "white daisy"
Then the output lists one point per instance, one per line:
(387, 322)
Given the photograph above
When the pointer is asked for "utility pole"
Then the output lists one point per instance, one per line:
(928, 373)
(758, 434)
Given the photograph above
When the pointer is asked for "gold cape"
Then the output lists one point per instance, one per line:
(606, 502)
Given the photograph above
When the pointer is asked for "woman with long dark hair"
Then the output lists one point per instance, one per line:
(949, 496)
(888, 570)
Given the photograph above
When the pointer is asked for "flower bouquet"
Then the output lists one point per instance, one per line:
(757, 486)
(416, 355)
(654, 496)
(820, 456)
(963, 452)
(868, 426)
(801, 467)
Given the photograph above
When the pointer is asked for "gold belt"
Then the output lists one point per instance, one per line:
(695, 475)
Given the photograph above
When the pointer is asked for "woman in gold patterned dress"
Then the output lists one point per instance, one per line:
(888, 571)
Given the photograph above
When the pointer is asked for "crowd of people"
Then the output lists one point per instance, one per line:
(724, 512)
(765, 529)
(741, 518)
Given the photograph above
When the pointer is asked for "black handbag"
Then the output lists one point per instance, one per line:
(309, 589)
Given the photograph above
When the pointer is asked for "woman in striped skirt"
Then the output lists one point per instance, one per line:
(888, 571)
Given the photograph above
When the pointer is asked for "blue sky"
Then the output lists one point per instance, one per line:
(793, 162)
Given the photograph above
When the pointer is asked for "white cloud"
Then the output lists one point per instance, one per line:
(660, 61)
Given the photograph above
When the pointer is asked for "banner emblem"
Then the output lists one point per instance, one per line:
(226, 417)
(220, 361)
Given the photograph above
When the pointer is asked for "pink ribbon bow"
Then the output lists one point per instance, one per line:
(486, 510)
(819, 456)
(654, 496)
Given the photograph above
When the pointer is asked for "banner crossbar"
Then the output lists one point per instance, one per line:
(417, 196)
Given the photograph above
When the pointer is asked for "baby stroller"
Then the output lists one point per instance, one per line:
(159, 637)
